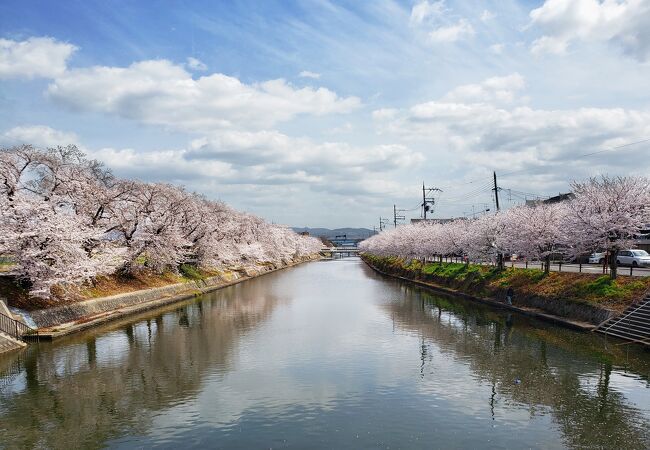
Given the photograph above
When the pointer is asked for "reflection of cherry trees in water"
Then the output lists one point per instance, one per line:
(529, 366)
(101, 386)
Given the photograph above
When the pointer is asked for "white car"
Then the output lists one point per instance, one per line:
(596, 258)
(635, 258)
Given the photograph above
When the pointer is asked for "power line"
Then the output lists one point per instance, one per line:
(629, 144)
(468, 195)
(619, 147)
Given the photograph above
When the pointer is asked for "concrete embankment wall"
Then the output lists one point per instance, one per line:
(569, 313)
(8, 343)
(72, 317)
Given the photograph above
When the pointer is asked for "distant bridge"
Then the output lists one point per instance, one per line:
(344, 240)
(340, 252)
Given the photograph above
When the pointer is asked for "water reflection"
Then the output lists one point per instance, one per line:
(326, 355)
(549, 370)
(101, 385)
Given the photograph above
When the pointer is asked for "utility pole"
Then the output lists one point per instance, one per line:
(426, 201)
(383, 223)
(396, 217)
(496, 191)
(496, 200)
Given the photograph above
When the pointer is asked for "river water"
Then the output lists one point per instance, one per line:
(326, 355)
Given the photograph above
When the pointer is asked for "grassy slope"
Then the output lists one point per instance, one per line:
(103, 286)
(574, 295)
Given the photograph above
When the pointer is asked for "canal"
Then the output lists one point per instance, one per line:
(326, 355)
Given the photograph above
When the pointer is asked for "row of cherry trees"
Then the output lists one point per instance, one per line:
(606, 215)
(65, 219)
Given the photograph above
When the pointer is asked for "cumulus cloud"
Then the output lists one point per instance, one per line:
(34, 57)
(196, 64)
(493, 90)
(283, 154)
(162, 93)
(38, 135)
(226, 159)
(452, 33)
(308, 74)
(475, 124)
(621, 22)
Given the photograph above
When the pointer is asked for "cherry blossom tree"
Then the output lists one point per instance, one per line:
(607, 214)
(535, 232)
(65, 219)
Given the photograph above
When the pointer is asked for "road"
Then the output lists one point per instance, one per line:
(586, 268)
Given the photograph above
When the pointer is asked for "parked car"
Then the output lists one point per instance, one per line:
(634, 257)
(596, 258)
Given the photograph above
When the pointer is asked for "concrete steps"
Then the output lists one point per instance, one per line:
(633, 325)
(9, 343)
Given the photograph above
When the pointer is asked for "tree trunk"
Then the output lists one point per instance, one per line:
(547, 266)
(613, 265)
(500, 261)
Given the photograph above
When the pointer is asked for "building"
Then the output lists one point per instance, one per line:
(556, 199)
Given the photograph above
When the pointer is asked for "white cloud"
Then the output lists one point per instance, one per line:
(496, 90)
(424, 10)
(308, 74)
(384, 113)
(163, 165)
(548, 44)
(479, 129)
(452, 33)
(34, 57)
(347, 127)
(497, 49)
(162, 93)
(38, 135)
(279, 153)
(624, 23)
(487, 15)
(196, 64)
(224, 160)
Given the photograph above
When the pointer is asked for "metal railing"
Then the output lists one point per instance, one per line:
(633, 325)
(15, 328)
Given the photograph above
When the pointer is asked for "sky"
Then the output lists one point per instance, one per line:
(328, 113)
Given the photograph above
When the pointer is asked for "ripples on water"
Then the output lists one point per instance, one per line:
(327, 355)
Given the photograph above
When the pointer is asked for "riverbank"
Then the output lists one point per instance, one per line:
(576, 300)
(58, 321)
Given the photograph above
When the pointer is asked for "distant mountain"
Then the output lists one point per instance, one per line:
(351, 233)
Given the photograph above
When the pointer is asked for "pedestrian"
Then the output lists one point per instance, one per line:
(510, 295)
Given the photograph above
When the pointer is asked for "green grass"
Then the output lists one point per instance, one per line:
(604, 286)
(191, 272)
(563, 287)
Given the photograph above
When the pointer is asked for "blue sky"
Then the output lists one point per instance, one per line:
(325, 113)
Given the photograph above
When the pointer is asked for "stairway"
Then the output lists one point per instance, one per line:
(632, 325)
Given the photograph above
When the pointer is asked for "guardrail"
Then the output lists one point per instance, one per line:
(16, 328)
